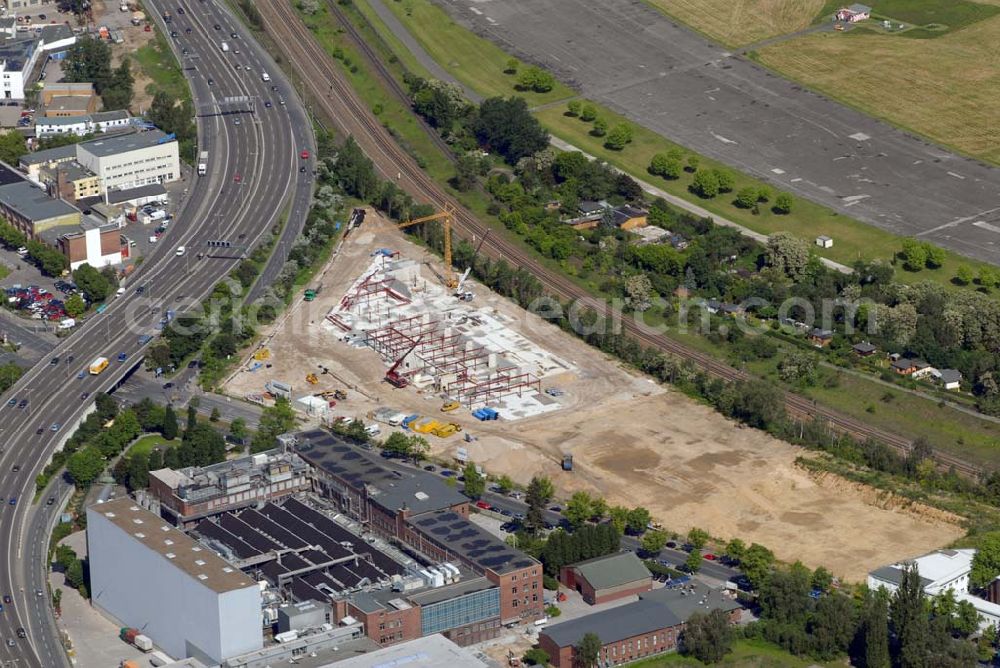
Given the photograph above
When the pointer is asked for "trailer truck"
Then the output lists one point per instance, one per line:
(203, 163)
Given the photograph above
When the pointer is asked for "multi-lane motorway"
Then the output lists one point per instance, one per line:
(253, 179)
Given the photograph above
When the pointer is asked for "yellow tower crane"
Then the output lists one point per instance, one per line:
(445, 218)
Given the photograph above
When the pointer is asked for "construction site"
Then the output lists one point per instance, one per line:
(388, 336)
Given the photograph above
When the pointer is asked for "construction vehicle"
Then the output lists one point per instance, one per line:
(449, 406)
(567, 463)
(262, 354)
(392, 376)
(465, 295)
(425, 426)
(445, 430)
(309, 295)
(339, 395)
(445, 218)
(311, 379)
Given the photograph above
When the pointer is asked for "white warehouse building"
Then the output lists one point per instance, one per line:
(128, 161)
(151, 576)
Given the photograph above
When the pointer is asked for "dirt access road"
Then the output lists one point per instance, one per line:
(633, 441)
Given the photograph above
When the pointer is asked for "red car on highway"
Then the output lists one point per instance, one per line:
(304, 155)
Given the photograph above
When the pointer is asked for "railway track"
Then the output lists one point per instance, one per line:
(330, 89)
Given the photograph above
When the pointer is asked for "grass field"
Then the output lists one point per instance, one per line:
(944, 88)
(745, 654)
(474, 61)
(741, 22)
(157, 62)
(949, 14)
(148, 443)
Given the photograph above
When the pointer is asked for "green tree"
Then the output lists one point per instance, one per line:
(697, 538)
(914, 254)
(653, 542)
(466, 173)
(138, 471)
(536, 656)
(935, 255)
(12, 147)
(693, 162)
(693, 561)
(505, 484)
(966, 619)
(88, 59)
(588, 650)
(10, 373)
(511, 66)
(216, 414)
(964, 275)
(600, 127)
(588, 113)
(619, 136)
(822, 579)
(535, 79)
(726, 180)
(706, 184)
(986, 562)
(909, 620)
(74, 305)
(118, 93)
(170, 428)
(637, 520)
(508, 128)
(873, 631)
(756, 563)
(832, 626)
(783, 203)
(238, 428)
(735, 550)
(619, 517)
(578, 509)
(48, 259)
(274, 421)
(539, 491)
(746, 198)
(91, 282)
(84, 466)
(475, 484)
(192, 415)
(707, 637)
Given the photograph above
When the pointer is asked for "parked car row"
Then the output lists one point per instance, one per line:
(41, 303)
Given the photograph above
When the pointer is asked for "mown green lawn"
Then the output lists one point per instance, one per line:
(476, 62)
(148, 443)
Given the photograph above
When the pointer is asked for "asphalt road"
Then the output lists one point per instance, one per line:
(264, 151)
(637, 61)
(139, 387)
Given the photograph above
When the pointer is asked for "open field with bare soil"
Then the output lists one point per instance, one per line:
(741, 22)
(634, 442)
(944, 88)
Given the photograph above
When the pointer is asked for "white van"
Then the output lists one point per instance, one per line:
(373, 430)
(225, 47)
(119, 292)
(181, 250)
(264, 76)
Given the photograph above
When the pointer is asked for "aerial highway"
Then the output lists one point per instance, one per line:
(255, 177)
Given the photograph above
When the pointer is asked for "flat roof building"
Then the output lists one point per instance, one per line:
(190, 494)
(131, 160)
(434, 651)
(418, 509)
(151, 576)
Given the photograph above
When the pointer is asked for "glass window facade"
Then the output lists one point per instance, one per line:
(468, 609)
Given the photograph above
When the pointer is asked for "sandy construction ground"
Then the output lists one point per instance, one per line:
(634, 442)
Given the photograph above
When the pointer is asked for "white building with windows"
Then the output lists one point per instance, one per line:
(940, 571)
(19, 56)
(131, 160)
(151, 576)
(102, 121)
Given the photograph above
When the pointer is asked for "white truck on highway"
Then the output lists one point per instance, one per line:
(264, 76)
(203, 163)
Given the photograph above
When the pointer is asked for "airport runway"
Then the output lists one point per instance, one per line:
(640, 63)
